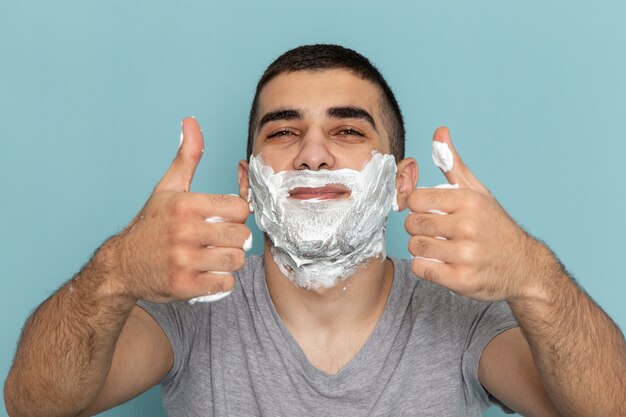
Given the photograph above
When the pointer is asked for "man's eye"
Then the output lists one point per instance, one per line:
(280, 133)
(350, 132)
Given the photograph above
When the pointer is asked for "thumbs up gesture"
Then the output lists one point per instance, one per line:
(463, 239)
(182, 244)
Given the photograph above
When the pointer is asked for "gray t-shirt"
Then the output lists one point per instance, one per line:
(235, 357)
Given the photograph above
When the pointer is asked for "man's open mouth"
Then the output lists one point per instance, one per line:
(327, 192)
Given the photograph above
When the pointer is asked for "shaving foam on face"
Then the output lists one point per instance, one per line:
(442, 156)
(317, 242)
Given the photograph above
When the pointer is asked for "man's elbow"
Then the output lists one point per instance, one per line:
(19, 402)
(10, 399)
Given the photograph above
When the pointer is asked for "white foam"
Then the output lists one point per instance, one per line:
(429, 259)
(317, 242)
(247, 245)
(214, 219)
(209, 298)
(442, 156)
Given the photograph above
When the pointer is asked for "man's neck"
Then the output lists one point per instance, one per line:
(353, 305)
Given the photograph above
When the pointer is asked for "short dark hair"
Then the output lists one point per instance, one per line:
(326, 57)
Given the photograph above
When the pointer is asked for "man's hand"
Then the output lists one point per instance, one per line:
(485, 255)
(182, 244)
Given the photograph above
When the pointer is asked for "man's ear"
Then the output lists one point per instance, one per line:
(242, 179)
(406, 180)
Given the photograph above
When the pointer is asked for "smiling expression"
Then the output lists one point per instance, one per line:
(318, 120)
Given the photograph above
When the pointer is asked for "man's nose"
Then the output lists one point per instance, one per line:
(314, 153)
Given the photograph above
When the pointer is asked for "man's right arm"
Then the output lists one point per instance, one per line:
(142, 358)
(89, 347)
(85, 349)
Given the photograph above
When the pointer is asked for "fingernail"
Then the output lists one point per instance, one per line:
(247, 245)
(181, 139)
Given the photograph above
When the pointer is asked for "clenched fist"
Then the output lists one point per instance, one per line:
(464, 240)
(182, 244)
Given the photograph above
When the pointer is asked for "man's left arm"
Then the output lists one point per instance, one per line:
(578, 349)
(570, 349)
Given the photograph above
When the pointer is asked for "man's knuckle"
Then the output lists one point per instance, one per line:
(181, 282)
(239, 259)
(418, 245)
(240, 232)
(233, 259)
(472, 201)
(426, 223)
(468, 228)
(468, 252)
(178, 259)
(221, 234)
(434, 197)
(219, 198)
(174, 234)
(430, 275)
(229, 260)
(241, 208)
(179, 207)
(413, 199)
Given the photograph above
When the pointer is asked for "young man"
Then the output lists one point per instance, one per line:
(322, 323)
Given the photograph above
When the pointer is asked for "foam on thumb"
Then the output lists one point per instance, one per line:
(442, 156)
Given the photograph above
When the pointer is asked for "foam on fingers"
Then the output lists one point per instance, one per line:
(247, 245)
(214, 219)
(209, 298)
(442, 156)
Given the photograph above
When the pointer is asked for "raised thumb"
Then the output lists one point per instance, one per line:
(180, 173)
(455, 171)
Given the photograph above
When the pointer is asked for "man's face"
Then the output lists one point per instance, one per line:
(317, 120)
(312, 125)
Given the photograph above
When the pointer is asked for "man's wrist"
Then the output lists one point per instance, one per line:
(545, 279)
(104, 272)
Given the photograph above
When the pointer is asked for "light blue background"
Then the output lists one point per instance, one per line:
(91, 95)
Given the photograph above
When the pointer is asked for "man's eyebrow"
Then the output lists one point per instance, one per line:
(282, 114)
(351, 112)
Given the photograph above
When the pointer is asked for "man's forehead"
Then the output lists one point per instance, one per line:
(318, 89)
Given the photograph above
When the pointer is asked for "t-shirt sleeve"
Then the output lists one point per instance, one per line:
(178, 321)
(488, 321)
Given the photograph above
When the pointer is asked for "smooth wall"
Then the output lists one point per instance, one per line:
(92, 93)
